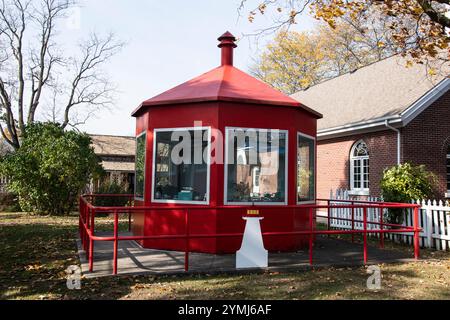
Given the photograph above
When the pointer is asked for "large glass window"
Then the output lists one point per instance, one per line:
(255, 167)
(359, 167)
(305, 168)
(181, 172)
(141, 142)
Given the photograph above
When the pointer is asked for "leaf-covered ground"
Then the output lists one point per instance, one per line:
(35, 252)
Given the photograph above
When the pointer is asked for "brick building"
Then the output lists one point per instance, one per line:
(376, 117)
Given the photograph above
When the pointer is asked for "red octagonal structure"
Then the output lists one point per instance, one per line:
(217, 106)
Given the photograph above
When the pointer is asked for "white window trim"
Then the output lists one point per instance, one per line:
(358, 191)
(145, 166)
(225, 182)
(208, 163)
(300, 134)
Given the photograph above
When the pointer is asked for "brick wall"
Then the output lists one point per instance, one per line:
(333, 166)
(426, 139)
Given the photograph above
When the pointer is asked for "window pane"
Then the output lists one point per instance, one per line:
(140, 166)
(305, 169)
(181, 172)
(360, 149)
(256, 165)
(366, 173)
(356, 174)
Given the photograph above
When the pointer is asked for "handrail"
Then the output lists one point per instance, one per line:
(88, 213)
(252, 206)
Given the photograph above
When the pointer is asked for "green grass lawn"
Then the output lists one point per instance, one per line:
(35, 252)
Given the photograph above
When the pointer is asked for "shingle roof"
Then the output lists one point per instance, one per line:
(118, 166)
(224, 83)
(113, 145)
(383, 89)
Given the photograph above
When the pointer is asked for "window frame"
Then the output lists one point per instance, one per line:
(301, 134)
(208, 167)
(225, 165)
(144, 133)
(358, 191)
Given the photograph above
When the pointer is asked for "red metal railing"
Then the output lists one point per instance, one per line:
(88, 212)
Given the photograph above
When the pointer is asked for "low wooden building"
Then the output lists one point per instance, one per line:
(118, 159)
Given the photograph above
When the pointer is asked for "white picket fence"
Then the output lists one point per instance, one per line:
(4, 181)
(434, 219)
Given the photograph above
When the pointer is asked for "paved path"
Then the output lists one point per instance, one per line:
(133, 259)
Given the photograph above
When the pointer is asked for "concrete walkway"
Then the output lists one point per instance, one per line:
(133, 259)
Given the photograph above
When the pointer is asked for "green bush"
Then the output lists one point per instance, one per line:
(51, 168)
(405, 183)
(112, 188)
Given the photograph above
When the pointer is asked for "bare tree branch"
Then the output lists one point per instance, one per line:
(46, 22)
(31, 62)
(88, 87)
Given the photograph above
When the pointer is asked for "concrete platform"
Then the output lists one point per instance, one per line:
(133, 259)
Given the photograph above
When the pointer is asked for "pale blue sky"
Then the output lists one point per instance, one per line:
(169, 42)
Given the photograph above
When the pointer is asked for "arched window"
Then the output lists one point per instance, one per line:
(359, 167)
(448, 169)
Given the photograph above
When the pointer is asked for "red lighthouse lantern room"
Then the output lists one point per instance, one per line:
(221, 146)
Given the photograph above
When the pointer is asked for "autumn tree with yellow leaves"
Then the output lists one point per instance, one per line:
(293, 61)
(420, 28)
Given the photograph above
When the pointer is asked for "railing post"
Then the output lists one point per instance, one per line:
(129, 221)
(116, 241)
(91, 242)
(83, 220)
(86, 212)
(311, 236)
(381, 227)
(416, 233)
(130, 200)
(329, 217)
(353, 221)
(186, 252)
(365, 233)
(87, 221)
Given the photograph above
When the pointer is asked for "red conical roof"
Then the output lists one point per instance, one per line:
(225, 83)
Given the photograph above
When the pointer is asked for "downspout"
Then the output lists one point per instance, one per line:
(399, 141)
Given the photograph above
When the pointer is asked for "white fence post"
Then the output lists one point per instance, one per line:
(428, 228)
(435, 224)
(442, 226)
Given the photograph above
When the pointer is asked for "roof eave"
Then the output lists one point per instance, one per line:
(360, 127)
(138, 111)
(115, 154)
(143, 106)
(425, 101)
